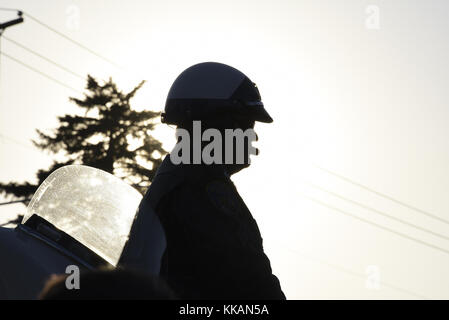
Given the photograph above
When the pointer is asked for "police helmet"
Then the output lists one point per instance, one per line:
(206, 90)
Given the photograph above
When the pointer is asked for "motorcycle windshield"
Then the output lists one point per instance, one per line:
(91, 205)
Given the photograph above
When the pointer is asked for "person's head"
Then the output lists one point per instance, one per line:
(216, 96)
(108, 285)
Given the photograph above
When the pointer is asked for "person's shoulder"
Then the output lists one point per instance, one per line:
(222, 194)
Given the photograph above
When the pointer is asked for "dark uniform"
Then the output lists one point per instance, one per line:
(214, 247)
(210, 247)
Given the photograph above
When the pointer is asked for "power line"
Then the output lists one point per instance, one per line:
(15, 201)
(377, 225)
(72, 41)
(348, 271)
(44, 58)
(378, 211)
(383, 195)
(40, 72)
(9, 9)
(14, 141)
(19, 143)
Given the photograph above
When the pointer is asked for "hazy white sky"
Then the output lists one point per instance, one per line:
(368, 103)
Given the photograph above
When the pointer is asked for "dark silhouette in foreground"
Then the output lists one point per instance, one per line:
(214, 247)
(108, 285)
(79, 219)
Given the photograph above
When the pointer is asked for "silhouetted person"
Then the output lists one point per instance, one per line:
(214, 247)
(108, 285)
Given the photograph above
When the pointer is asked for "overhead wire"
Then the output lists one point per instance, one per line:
(40, 72)
(45, 58)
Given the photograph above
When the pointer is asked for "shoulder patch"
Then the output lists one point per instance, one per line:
(223, 197)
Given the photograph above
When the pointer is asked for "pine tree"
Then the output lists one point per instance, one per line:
(110, 135)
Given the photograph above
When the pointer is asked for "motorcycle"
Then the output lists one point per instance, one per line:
(79, 216)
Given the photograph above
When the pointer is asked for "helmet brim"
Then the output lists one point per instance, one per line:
(257, 112)
(262, 115)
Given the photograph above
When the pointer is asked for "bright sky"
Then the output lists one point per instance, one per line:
(362, 97)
